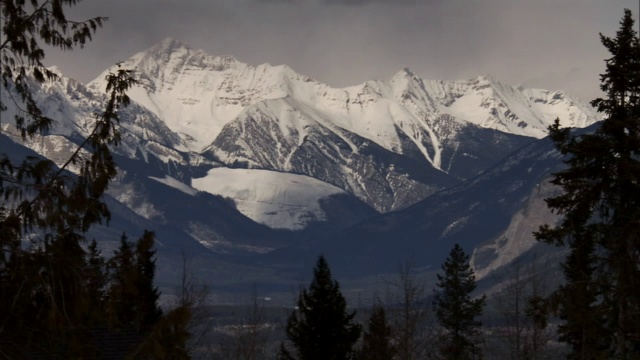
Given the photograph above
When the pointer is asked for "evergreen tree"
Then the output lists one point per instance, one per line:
(42, 289)
(600, 205)
(168, 338)
(578, 304)
(377, 338)
(62, 305)
(456, 311)
(122, 290)
(320, 328)
(96, 274)
(133, 298)
(53, 292)
(148, 311)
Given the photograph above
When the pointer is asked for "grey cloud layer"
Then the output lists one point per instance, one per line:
(544, 43)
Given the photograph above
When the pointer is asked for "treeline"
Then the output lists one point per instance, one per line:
(405, 319)
(59, 297)
(61, 300)
(321, 327)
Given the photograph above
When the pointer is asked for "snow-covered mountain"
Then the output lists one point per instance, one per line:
(197, 94)
(73, 106)
(390, 143)
(261, 165)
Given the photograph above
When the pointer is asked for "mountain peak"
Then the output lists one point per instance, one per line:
(172, 50)
(223, 62)
(405, 72)
(404, 78)
(483, 79)
(169, 45)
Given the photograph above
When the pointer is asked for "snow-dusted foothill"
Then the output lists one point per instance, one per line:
(275, 199)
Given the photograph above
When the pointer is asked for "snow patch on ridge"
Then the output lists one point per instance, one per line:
(278, 200)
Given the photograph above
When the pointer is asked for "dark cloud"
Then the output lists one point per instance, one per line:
(550, 44)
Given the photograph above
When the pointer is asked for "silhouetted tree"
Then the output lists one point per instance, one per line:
(321, 328)
(377, 340)
(133, 298)
(43, 291)
(456, 311)
(148, 311)
(600, 208)
(53, 291)
(96, 281)
(122, 290)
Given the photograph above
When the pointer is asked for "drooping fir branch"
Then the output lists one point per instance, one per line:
(62, 200)
(23, 26)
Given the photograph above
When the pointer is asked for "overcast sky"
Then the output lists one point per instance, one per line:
(552, 44)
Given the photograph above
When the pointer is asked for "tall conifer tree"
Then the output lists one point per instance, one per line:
(133, 298)
(456, 311)
(600, 205)
(122, 290)
(377, 341)
(96, 280)
(148, 310)
(321, 328)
